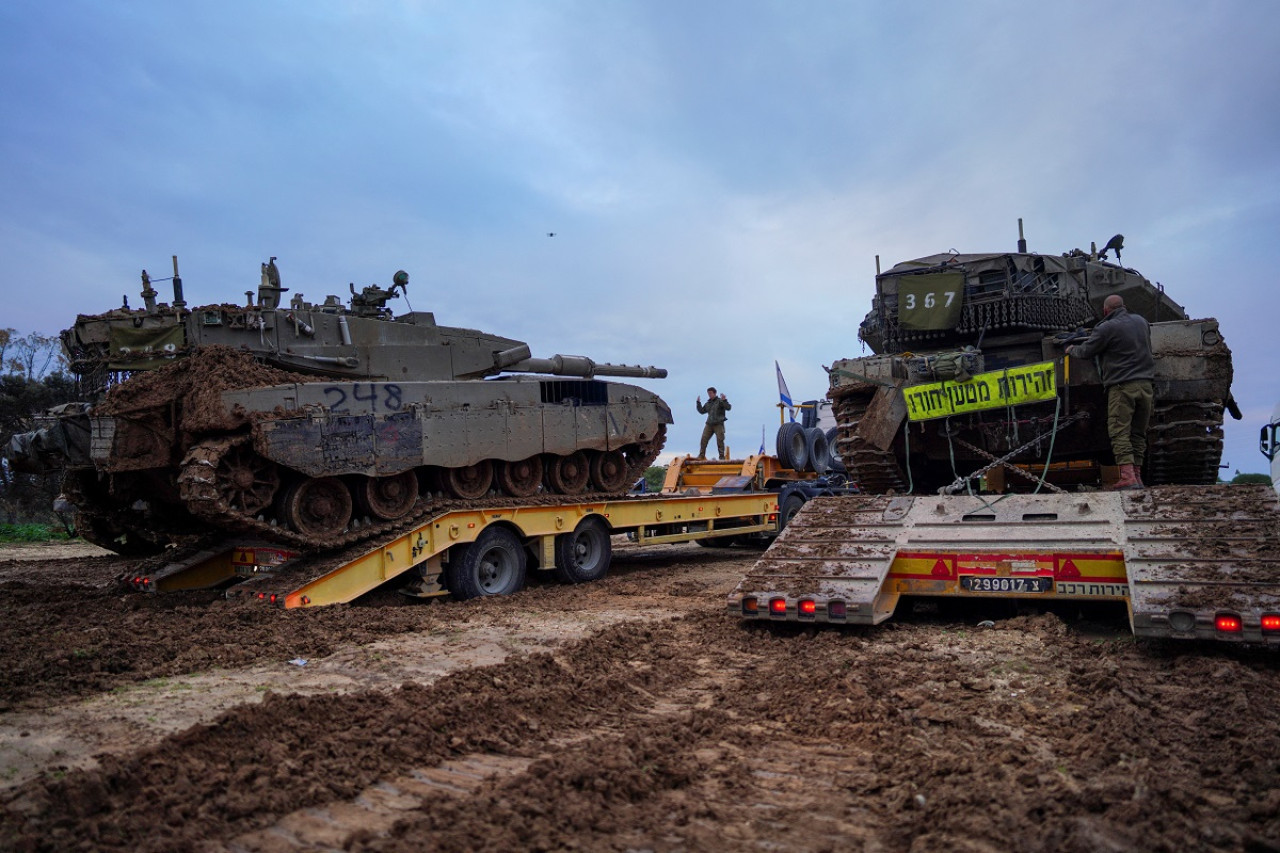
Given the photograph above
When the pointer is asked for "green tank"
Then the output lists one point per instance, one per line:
(949, 317)
(322, 424)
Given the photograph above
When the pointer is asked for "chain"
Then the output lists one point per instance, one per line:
(1003, 461)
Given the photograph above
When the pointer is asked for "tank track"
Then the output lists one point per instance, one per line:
(1184, 444)
(124, 531)
(199, 490)
(875, 471)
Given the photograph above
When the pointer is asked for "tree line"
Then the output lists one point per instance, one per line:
(33, 378)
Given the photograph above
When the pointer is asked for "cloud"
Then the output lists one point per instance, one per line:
(720, 177)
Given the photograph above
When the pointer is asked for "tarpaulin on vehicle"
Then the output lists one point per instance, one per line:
(930, 301)
(145, 348)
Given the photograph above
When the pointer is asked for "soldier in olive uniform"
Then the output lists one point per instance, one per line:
(717, 405)
(1122, 343)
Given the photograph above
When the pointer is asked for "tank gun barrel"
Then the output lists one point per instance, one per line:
(518, 360)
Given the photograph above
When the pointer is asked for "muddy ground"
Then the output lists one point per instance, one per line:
(629, 714)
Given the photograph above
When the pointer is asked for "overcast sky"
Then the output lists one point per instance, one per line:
(719, 176)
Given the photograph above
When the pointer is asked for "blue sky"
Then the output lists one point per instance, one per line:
(720, 176)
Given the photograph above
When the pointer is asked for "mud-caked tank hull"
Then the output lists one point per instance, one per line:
(938, 322)
(319, 425)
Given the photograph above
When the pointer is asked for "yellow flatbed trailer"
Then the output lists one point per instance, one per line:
(1188, 561)
(472, 552)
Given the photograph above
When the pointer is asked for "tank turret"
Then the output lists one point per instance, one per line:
(948, 317)
(317, 423)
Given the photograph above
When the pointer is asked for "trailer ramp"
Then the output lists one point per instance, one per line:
(1204, 562)
(1189, 561)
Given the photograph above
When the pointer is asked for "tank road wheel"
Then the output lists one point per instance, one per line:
(609, 471)
(568, 475)
(520, 479)
(317, 507)
(245, 481)
(494, 564)
(470, 482)
(584, 555)
(387, 498)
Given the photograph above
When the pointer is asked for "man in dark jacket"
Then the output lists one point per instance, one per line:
(717, 405)
(1122, 343)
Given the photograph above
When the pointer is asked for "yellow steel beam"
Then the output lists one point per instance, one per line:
(210, 572)
(462, 526)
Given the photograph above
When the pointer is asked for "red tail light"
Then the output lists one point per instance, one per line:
(1271, 622)
(808, 607)
(778, 606)
(1227, 623)
(836, 609)
(750, 605)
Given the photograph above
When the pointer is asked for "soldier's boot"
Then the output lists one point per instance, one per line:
(1128, 479)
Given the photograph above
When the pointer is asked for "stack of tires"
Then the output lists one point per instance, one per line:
(811, 449)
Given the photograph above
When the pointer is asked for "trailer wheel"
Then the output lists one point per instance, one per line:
(792, 505)
(815, 441)
(494, 564)
(793, 450)
(836, 463)
(584, 555)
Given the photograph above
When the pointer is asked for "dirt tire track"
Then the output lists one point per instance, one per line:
(700, 733)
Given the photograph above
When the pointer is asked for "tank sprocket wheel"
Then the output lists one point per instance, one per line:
(609, 471)
(640, 456)
(389, 497)
(568, 475)
(318, 507)
(224, 480)
(521, 478)
(470, 482)
(245, 481)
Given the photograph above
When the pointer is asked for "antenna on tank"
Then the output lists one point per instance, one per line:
(1022, 241)
(178, 301)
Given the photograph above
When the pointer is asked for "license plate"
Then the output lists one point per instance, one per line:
(983, 583)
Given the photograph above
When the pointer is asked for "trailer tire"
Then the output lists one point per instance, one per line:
(585, 554)
(792, 505)
(494, 564)
(815, 441)
(835, 464)
(793, 449)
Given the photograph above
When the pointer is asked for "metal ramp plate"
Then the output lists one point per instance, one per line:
(1194, 553)
(854, 556)
(835, 548)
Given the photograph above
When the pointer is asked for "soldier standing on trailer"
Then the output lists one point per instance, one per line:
(1122, 342)
(717, 405)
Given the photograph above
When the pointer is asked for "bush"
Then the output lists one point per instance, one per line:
(31, 533)
(1264, 479)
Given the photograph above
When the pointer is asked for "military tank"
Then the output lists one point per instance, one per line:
(321, 424)
(910, 417)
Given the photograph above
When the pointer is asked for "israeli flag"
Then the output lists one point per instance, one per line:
(762, 439)
(783, 393)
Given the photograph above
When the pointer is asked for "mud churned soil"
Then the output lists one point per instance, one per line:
(629, 714)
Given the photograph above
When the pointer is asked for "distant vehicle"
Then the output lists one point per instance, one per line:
(1269, 443)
